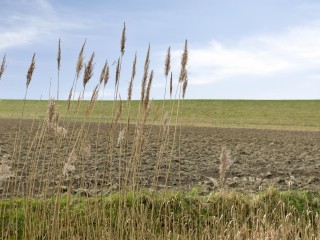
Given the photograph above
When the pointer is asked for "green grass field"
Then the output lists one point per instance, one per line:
(222, 215)
(272, 114)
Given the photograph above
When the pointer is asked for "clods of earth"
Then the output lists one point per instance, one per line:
(36, 159)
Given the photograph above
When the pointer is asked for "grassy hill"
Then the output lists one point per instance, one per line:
(272, 114)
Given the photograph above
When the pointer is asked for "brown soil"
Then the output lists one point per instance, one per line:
(261, 158)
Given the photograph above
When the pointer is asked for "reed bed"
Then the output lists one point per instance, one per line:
(44, 188)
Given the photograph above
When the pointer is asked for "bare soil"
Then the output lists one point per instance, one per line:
(261, 158)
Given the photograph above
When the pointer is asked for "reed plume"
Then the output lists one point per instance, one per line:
(145, 75)
(3, 66)
(68, 167)
(166, 119)
(106, 75)
(59, 55)
(93, 100)
(121, 136)
(167, 64)
(147, 97)
(117, 73)
(69, 99)
(85, 150)
(225, 163)
(51, 112)
(56, 118)
(132, 77)
(79, 65)
(184, 86)
(119, 112)
(123, 39)
(59, 65)
(31, 70)
(171, 87)
(103, 73)
(60, 131)
(5, 169)
(184, 61)
(88, 71)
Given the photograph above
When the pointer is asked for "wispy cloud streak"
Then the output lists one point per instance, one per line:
(295, 50)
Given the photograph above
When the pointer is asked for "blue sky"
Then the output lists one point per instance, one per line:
(266, 49)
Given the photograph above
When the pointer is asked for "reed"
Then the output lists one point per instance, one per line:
(31, 70)
(225, 163)
(71, 178)
(3, 66)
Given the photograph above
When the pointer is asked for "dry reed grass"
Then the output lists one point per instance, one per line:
(113, 204)
(123, 39)
(145, 76)
(69, 166)
(88, 70)
(225, 163)
(133, 74)
(5, 169)
(31, 70)
(3, 66)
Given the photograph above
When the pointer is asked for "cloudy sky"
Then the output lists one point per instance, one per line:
(266, 49)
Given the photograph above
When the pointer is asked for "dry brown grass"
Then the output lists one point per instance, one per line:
(31, 70)
(113, 203)
(123, 39)
(3, 66)
(145, 76)
(225, 163)
(133, 74)
(5, 168)
(88, 70)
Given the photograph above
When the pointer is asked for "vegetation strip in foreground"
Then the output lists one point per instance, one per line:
(177, 212)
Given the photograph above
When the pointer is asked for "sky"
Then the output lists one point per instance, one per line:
(266, 49)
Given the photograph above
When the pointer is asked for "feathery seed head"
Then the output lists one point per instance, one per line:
(85, 150)
(59, 55)
(166, 118)
(80, 60)
(3, 66)
(225, 163)
(145, 75)
(132, 77)
(171, 85)
(94, 97)
(184, 59)
(103, 73)
(184, 86)
(5, 169)
(119, 111)
(106, 75)
(117, 72)
(69, 98)
(88, 71)
(68, 166)
(121, 136)
(167, 63)
(51, 111)
(147, 97)
(31, 70)
(123, 39)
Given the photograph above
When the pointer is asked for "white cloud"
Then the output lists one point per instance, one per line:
(295, 50)
(31, 21)
(17, 37)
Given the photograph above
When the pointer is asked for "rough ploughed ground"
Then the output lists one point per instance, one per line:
(262, 158)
